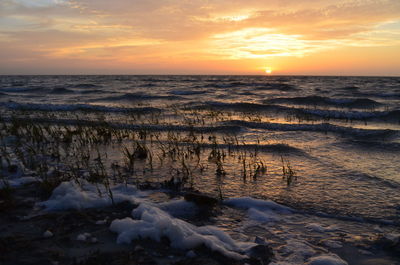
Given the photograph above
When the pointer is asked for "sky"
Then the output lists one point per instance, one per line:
(300, 37)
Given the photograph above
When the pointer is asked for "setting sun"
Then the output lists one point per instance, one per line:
(200, 37)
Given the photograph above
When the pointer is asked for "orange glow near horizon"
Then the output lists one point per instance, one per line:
(154, 37)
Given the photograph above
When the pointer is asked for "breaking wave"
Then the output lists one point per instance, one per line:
(322, 127)
(353, 115)
(324, 101)
(390, 115)
(139, 96)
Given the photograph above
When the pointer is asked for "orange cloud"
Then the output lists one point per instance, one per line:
(237, 36)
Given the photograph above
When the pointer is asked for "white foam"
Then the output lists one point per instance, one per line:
(47, 234)
(179, 208)
(71, 195)
(18, 181)
(261, 205)
(263, 211)
(263, 217)
(81, 237)
(155, 223)
(86, 237)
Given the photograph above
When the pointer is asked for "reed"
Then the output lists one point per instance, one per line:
(288, 173)
(77, 148)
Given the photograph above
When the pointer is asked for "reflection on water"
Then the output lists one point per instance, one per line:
(339, 134)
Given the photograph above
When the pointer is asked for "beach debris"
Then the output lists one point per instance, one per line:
(200, 199)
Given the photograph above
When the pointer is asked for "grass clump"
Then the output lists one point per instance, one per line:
(288, 173)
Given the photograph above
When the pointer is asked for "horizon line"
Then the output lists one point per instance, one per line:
(265, 75)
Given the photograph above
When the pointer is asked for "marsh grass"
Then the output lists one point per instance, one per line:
(288, 173)
(77, 150)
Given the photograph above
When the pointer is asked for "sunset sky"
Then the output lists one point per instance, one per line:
(321, 37)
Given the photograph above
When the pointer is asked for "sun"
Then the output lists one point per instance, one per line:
(268, 70)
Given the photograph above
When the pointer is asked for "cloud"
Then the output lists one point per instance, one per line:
(211, 30)
(330, 21)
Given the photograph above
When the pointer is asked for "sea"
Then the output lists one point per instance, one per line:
(340, 137)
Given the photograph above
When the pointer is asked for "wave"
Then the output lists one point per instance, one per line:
(84, 85)
(325, 101)
(139, 96)
(351, 88)
(16, 84)
(61, 90)
(246, 93)
(187, 92)
(277, 86)
(382, 95)
(256, 86)
(275, 211)
(22, 89)
(376, 145)
(147, 127)
(392, 115)
(148, 85)
(274, 148)
(353, 115)
(93, 91)
(75, 107)
(322, 127)
(237, 106)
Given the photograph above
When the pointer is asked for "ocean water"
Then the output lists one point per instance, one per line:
(339, 134)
